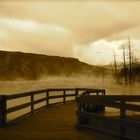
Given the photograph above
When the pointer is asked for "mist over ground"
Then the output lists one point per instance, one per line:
(108, 83)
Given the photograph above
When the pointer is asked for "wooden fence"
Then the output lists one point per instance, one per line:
(48, 95)
(121, 102)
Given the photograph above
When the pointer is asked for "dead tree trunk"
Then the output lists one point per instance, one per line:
(130, 63)
(102, 74)
(124, 64)
(115, 64)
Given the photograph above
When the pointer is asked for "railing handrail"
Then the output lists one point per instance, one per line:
(128, 98)
(28, 93)
(122, 102)
(4, 98)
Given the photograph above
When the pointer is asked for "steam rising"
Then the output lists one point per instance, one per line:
(12, 87)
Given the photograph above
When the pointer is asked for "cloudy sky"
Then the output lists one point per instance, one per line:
(86, 29)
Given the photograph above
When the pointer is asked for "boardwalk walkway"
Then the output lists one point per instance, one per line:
(57, 122)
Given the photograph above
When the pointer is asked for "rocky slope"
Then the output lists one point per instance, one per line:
(28, 66)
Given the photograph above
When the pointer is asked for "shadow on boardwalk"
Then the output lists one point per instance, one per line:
(55, 123)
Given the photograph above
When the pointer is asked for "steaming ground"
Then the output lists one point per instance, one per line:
(12, 87)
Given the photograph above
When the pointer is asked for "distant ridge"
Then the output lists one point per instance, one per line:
(28, 66)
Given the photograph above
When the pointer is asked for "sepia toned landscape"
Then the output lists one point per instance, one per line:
(70, 70)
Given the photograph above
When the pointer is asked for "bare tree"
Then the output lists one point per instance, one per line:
(102, 70)
(133, 68)
(115, 64)
(124, 65)
(112, 68)
(130, 63)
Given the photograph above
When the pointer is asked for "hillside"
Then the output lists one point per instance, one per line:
(28, 66)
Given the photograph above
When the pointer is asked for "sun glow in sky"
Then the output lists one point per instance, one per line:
(87, 30)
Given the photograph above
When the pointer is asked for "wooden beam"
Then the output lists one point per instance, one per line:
(3, 115)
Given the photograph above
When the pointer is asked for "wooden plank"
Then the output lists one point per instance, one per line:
(55, 103)
(108, 119)
(18, 107)
(61, 102)
(15, 120)
(47, 99)
(105, 132)
(76, 93)
(64, 94)
(49, 124)
(22, 106)
(96, 99)
(3, 115)
(19, 95)
(32, 104)
(61, 89)
(39, 100)
(70, 95)
(61, 96)
(132, 107)
(122, 116)
(56, 96)
(91, 89)
(40, 108)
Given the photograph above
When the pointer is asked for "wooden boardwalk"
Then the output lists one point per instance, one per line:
(57, 122)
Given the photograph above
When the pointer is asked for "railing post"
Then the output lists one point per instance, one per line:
(97, 93)
(3, 108)
(64, 98)
(88, 93)
(32, 103)
(103, 93)
(79, 118)
(122, 116)
(76, 93)
(47, 97)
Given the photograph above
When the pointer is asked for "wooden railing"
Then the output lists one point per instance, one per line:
(122, 123)
(48, 95)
